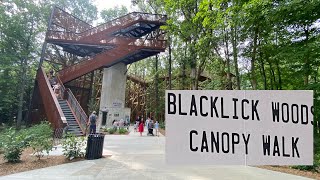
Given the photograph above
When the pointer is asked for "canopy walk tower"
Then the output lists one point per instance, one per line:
(110, 47)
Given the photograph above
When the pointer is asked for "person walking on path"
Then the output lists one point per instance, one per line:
(92, 121)
(141, 126)
(147, 122)
(156, 126)
(52, 79)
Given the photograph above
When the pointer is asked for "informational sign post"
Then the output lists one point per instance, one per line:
(239, 127)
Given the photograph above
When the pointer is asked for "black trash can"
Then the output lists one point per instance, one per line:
(94, 146)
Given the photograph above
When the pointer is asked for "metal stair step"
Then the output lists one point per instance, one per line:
(74, 127)
(68, 114)
(71, 119)
(72, 122)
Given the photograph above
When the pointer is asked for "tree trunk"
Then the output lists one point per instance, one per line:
(156, 86)
(271, 79)
(263, 72)
(193, 66)
(183, 74)
(170, 62)
(273, 76)
(92, 92)
(279, 76)
(264, 75)
(194, 78)
(306, 61)
(23, 75)
(253, 58)
(226, 51)
(21, 91)
(235, 55)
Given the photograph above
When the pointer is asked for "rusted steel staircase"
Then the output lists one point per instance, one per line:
(116, 41)
(127, 39)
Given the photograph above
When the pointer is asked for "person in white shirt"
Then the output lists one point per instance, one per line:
(121, 123)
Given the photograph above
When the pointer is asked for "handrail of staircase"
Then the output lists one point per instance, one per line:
(148, 44)
(156, 43)
(68, 21)
(81, 116)
(131, 17)
(78, 111)
(62, 88)
(127, 19)
(51, 104)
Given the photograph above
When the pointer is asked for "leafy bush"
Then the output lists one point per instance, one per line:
(1, 144)
(105, 129)
(74, 147)
(13, 143)
(111, 130)
(305, 168)
(1, 147)
(162, 125)
(123, 131)
(40, 139)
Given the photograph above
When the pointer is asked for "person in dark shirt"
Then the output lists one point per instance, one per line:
(52, 79)
(92, 121)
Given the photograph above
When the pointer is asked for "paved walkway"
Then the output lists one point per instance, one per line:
(134, 157)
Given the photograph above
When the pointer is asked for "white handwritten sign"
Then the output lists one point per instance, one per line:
(239, 127)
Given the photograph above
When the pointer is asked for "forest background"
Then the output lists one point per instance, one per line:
(234, 44)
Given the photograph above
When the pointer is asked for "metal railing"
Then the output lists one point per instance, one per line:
(120, 22)
(150, 43)
(81, 116)
(63, 20)
(126, 19)
(50, 102)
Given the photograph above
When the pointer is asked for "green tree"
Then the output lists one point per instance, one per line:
(112, 13)
(19, 30)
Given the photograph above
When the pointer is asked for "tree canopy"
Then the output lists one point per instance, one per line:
(212, 44)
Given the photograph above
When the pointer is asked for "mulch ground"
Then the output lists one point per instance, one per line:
(29, 162)
(289, 170)
(162, 131)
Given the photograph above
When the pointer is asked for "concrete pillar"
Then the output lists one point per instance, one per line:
(113, 94)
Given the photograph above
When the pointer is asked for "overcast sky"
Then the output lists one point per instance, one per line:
(107, 4)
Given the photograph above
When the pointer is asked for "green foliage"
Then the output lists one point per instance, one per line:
(13, 144)
(40, 139)
(162, 125)
(109, 14)
(105, 129)
(83, 9)
(123, 130)
(305, 168)
(1, 146)
(111, 130)
(23, 24)
(74, 147)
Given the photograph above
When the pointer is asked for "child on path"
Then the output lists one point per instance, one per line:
(141, 128)
(135, 126)
(156, 126)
